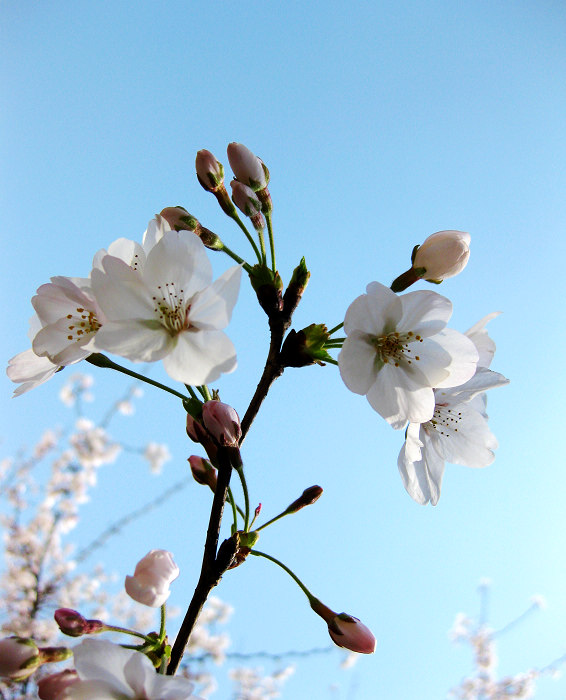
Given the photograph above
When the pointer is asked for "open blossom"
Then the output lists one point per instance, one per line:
(29, 370)
(169, 310)
(458, 431)
(150, 583)
(109, 672)
(70, 318)
(398, 349)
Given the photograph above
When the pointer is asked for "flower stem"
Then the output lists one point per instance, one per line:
(336, 328)
(163, 619)
(246, 498)
(271, 240)
(124, 630)
(237, 258)
(100, 360)
(232, 502)
(248, 236)
(295, 578)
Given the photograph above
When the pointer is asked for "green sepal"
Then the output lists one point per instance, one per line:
(414, 253)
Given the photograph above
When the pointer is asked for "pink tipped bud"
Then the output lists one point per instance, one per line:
(195, 430)
(222, 422)
(203, 472)
(180, 220)
(210, 172)
(348, 632)
(73, 624)
(51, 687)
(150, 583)
(247, 167)
(245, 198)
(307, 498)
(19, 658)
(257, 510)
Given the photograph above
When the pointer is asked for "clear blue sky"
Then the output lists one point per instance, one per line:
(381, 123)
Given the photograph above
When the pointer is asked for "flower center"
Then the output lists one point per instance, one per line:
(84, 323)
(445, 420)
(171, 308)
(394, 347)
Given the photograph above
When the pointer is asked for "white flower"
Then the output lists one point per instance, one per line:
(150, 583)
(70, 317)
(169, 310)
(458, 432)
(109, 672)
(398, 349)
(443, 254)
(156, 454)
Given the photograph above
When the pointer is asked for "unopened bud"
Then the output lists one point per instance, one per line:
(203, 472)
(73, 624)
(345, 630)
(222, 422)
(296, 287)
(245, 198)
(308, 497)
(210, 172)
(51, 687)
(443, 254)
(180, 220)
(306, 347)
(19, 657)
(247, 167)
(268, 287)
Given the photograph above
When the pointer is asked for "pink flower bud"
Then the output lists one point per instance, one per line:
(180, 220)
(203, 472)
(210, 172)
(307, 498)
(222, 422)
(247, 167)
(19, 658)
(195, 430)
(245, 198)
(443, 254)
(150, 583)
(348, 632)
(51, 687)
(73, 624)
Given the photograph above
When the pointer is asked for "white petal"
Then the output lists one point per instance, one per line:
(89, 690)
(482, 380)
(97, 659)
(120, 291)
(156, 228)
(398, 399)
(357, 363)
(425, 313)
(139, 672)
(484, 344)
(464, 357)
(139, 341)
(53, 342)
(200, 357)
(422, 478)
(161, 687)
(178, 258)
(29, 370)
(212, 308)
(375, 312)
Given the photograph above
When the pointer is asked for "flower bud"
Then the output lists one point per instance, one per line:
(344, 630)
(210, 172)
(180, 220)
(222, 422)
(443, 255)
(73, 624)
(203, 472)
(247, 167)
(150, 583)
(306, 347)
(348, 632)
(19, 658)
(51, 687)
(245, 198)
(308, 497)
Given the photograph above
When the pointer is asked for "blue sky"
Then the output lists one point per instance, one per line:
(381, 123)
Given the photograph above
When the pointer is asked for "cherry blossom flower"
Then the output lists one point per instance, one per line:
(29, 370)
(443, 254)
(70, 318)
(168, 310)
(398, 349)
(18, 658)
(150, 583)
(109, 672)
(458, 431)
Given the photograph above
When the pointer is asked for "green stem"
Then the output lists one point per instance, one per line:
(246, 498)
(163, 619)
(331, 361)
(248, 236)
(99, 360)
(237, 258)
(295, 578)
(271, 240)
(336, 328)
(205, 393)
(273, 520)
(232, 502)
(124, 630)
